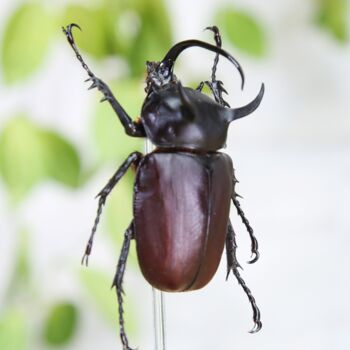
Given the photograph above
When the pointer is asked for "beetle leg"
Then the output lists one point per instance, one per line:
(200, 86)
(254, 241)
(216, 86)
(218, 42)
(133, 158)
(232, 264)
(131, 128)
(118, 282)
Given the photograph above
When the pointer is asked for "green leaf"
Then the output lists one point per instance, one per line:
(98, 285)
(99, 37)
(21, 155)
(61, 324)
(26, 41)
(61, 159)
(13, 331)
(111, 141)
(243, 31)
(20, 280)
(154, 37)
(30, 154)
(332, 15)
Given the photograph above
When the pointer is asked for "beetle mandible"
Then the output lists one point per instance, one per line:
(183, 189)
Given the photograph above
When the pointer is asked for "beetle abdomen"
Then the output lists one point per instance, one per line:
(181, 210)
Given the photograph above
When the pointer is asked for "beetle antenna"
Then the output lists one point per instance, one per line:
(69, 35)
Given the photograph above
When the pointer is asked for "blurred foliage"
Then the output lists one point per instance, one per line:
(61, 323)
(22, 269)
(27, 38)
(105, 299)
(153, 37)
(30, 154)
(98, 37)
(333, 15)
(243, 31)
(13, 331)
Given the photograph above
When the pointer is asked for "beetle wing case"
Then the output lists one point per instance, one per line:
(181, 210)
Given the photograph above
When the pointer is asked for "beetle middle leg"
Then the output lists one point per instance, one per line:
(232, 264)
(133, 158)
(254, 241)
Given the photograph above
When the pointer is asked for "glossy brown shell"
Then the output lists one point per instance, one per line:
(181, 211)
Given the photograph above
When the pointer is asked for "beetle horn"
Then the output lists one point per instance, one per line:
(236, 113)
(186, 102)
(175, 51)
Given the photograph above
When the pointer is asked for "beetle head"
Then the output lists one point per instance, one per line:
(158, 75)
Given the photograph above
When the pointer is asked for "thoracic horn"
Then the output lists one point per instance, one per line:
(236, 113)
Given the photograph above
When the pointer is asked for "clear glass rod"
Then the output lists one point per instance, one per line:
(159, 319)
(158, 299)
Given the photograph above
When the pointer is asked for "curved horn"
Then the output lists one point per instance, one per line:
(236, 113)
(186, 102)
(175, 51)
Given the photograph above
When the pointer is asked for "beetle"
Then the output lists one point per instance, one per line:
(183, 189)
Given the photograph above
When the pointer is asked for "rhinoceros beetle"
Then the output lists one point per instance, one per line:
(183, 189)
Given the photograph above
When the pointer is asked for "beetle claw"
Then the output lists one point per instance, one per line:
(85, 260)
(256, 328)
(255, 256)
(93, 85)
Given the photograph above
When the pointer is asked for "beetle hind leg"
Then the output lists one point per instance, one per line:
(118, 282)
(232, 264)
(133, 158)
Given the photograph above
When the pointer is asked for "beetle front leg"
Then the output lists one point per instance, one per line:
(254, 241)
(232, 264)
(133, 158)
(216, 86)
(118, 282)
(131, 128)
